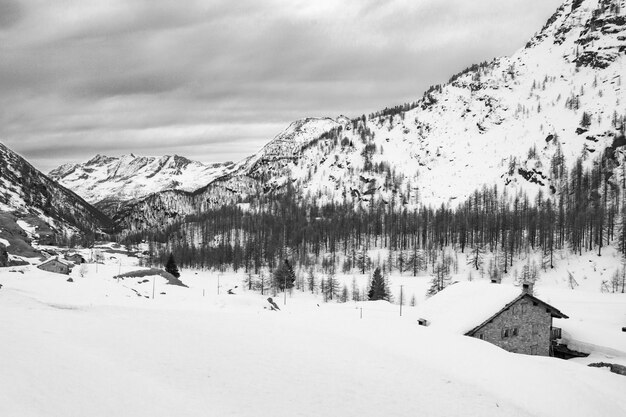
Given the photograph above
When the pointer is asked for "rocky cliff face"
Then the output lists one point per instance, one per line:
(32, 204)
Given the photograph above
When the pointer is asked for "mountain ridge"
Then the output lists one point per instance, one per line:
(517, 122)
(33, 206)
(107, 181)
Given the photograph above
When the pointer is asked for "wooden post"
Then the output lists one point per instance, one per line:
(153, 285)
(401, 300)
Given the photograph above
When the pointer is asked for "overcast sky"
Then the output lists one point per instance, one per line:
(214, 80)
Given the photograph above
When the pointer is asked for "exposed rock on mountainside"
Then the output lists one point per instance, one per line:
(34, 206)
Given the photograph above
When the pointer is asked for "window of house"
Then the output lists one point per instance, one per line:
(533, 350)
(535, 329)
(515, 331)
(505, 333)
(514, 310)
(524, 308)
(481, 336)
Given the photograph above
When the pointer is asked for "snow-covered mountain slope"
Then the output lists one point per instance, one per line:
(260, 174)
(32, 205)
(105, 181)
(517, 122)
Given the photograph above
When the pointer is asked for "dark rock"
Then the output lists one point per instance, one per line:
(4, 256)
(615, 368)
(273, 305)
(619, 142)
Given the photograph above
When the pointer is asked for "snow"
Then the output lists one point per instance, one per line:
(595, 323)
(464, 305)
(5, 242)
(93, 347)
(101, 346)
(30, 230)
(130, 177)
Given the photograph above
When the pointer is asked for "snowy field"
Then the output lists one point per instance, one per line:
(102, 347)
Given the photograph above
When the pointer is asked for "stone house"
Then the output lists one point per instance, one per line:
(514, 320)
(74, 257)
(56, 265)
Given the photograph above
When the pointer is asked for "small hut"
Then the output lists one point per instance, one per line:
(56, 265)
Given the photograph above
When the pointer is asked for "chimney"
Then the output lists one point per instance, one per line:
(527, 288)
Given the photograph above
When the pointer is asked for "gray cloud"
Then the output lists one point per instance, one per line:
(10, 13)
(214, 80)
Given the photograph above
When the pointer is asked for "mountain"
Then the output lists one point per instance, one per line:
(34, 206)
(263, 173)
(108, 181)
(518, 123)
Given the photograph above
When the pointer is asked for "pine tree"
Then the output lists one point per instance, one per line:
(311, 281)
(363, 261)
(356, 294)
(476, 257)
(332, 286)
(344, 294)
(378, 287)
(284, 277)
(440, 280)
(171, 267)
(585, 121)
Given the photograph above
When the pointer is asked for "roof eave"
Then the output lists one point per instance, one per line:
(554, 312)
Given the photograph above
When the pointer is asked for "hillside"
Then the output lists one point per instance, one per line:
(108, 181)
(516, 122)
(32, 206)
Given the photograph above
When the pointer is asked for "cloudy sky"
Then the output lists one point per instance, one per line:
(214, 80)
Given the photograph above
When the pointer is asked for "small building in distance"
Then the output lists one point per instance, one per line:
(56, 265)
(75, 257)
(504, 315)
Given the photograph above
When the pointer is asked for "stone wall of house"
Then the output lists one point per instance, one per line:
(57, 267)
(533, 324)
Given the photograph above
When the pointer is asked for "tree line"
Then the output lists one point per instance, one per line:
(583, 210)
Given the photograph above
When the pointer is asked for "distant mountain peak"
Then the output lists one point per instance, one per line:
(592, 32)
(108, 181)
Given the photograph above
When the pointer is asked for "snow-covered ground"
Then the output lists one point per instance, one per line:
(102, 347)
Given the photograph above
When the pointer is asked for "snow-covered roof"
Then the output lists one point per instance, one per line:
(462, 306)
(59, 260)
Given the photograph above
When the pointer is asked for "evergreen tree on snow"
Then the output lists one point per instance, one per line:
(441, 279)
(284, 277)
(378, 287)
(171, 266)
